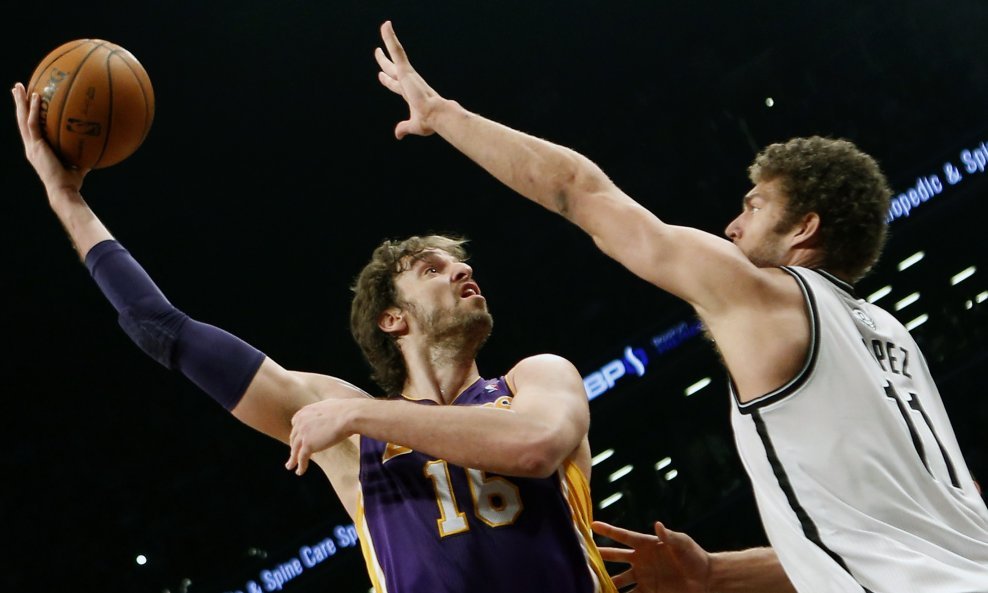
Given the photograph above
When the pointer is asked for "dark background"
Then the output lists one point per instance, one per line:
(271, 172)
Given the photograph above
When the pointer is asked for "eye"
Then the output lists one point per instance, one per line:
(432, 270)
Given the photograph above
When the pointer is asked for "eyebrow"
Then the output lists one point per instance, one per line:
(746, 201)
(427, 257)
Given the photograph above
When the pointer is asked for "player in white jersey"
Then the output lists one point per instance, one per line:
(885, 502)
(859, 479)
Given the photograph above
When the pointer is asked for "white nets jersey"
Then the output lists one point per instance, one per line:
(858, 476)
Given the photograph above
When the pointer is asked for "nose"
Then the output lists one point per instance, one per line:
(462, 271)
(733, 230)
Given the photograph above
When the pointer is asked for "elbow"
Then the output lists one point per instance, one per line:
(540, 457)
(573, 181)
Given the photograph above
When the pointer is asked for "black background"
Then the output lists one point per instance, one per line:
(271, 172)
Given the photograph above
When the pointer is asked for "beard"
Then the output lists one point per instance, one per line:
(769, 253)
(461, 334)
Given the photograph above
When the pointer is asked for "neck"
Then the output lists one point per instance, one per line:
(437, 373)
(805, 257)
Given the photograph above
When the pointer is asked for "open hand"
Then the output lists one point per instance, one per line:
(398, 76)
(667, 562)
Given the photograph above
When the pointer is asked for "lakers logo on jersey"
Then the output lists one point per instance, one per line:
(501, 403)
(392, 450)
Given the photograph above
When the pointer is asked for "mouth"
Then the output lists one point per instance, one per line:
(469, 289)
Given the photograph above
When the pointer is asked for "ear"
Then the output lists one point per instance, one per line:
(806, 231)
(392, 321)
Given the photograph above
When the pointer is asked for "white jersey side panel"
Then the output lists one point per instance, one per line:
(855, 467)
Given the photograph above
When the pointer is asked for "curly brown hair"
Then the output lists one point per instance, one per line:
(374, 291)
(841, 184)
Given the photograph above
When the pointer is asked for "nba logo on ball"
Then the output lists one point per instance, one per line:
(97, 103)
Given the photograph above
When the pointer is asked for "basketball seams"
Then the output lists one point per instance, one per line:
(109, 107)
(42, 68)
(128, 60)
(69, 88)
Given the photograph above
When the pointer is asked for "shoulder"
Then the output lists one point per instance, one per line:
(542, 363)
(544, 371)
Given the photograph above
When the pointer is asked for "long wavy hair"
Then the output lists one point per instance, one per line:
(374, 291)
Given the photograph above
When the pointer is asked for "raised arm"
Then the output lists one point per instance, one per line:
(546, 424)
(254, 388)
(689, 263)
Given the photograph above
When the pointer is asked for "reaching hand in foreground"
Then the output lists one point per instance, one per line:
(668, 561)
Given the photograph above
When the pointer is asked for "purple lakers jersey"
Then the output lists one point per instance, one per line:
(427, 525)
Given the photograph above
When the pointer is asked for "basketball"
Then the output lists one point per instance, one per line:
(97, 103)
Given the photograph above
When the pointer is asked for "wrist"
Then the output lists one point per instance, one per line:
(63, 194)
(442, 111)
(752, 570)
(356, 415)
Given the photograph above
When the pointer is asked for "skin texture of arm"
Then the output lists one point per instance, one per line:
(671, 562)
(547, 424)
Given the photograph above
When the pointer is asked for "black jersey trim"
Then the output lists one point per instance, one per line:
(804, 374)
(846, 287)
(810, 530)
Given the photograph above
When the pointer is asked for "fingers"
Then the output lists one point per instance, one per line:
(395, 50)
(401, 130)
(298, 459)
(387, 66)
(628, 538)
(389, 83)
(34, 115)
(21, 110)
(660, 532)
(624, 579)
(295, 442)
(616, 554)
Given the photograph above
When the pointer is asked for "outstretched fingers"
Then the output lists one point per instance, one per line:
(625, 579)
(616, 554)
(389, 83)
(395, 50)
(387, 66)
(628, 538)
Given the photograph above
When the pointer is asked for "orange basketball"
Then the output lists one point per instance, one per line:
(97, 103)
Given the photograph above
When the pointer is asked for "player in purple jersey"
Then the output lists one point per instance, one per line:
(457, 484)
(859, 480)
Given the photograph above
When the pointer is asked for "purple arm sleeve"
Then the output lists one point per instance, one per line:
(220, 363)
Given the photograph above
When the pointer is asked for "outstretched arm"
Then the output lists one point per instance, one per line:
(671, 562)
(547, 423)
(257, 390)
(686, 262)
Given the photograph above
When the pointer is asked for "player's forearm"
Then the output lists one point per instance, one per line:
(489, 439)
(756, 570)
(551, 175)
(79, 221)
